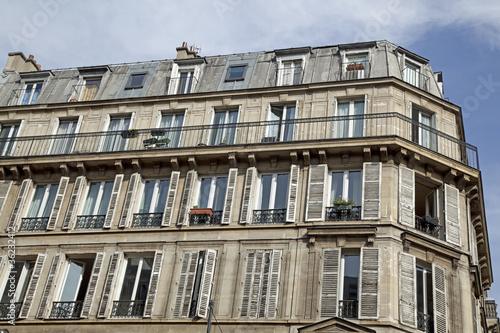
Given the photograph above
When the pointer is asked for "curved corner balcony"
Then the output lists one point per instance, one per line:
(262, 132)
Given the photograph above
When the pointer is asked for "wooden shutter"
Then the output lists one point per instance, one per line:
(187, 197)
(172, 193)
(61, 191)
(228, 202)
(372, 173)
(80, 184)
(108, 220)
(248, 195)
(94, 278)
(30, 293)
(258, 283)
(109, 284)
(247, 284)
(407, 290)
(4, 191)
(439, 287)
(293, 193)
(57, 260)
(128, 204)
(206, 283)
(369, 283)
(316, 191)
(452, 215)
(406, 196)
(274, 279)
(186, 284)
(330, 283)
(153, 284)
(19, 204)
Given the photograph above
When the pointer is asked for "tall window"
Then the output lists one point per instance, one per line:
(424, 125)
(152, 205)
(411, 73)
(21, 271)
(349, 121)
(95, 206)
(425, 307)
(185, 82)
(40, 208)
(172, 124)
(281, 126)
(8, 133)
(290, 72)
(224, 127)
(348, 304)
(89, 89)
(272, 200)
(114, 140)
(64, 143)
(346, 185)
(212, 193)
(31, 93)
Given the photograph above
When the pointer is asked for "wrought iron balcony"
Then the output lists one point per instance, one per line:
(269, 216)
(66, 310)
(416, 78)
(425, 322)
(343, 213)
(9, 311)
(428, 225)
(147, 220)
(206, 220)
(89, 222)
(348, 309)
(30, 224)
(128, 309)
(387, 125)
(355, 70)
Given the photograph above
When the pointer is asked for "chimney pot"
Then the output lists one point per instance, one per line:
(31, 57)
(184, 44)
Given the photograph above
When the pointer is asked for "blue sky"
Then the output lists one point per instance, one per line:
(460, 38)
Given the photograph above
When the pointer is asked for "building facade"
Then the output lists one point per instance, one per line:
(299, 190)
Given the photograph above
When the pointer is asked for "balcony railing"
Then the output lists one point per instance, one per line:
(307, 129)
(180, 85)
(128, 309)
(30, 224)
(343, 213)
(289, 76)
(88, 222)
(269, 216)
(84, 92)
(490, 309)
(348, 309)
(355, 70)
(206, 220)
(426, 225)
(66, 310)
(147, 220)
(416, 78)
(425, 322)
(9, 311)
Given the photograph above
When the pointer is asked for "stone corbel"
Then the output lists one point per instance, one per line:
(157, 168)
(119, 166)
(294, 157)
(48, 173)
(252, 160)
(450, 176)
(27, 171)
(370, 240)
(345, 158)
(401, 155)
(3, 172)
(192, 163)
(322, 157)
(462, 182)
(82, 169)
(136, 164)
(213, 165)
(406, 243)
(64, 169)
(384, 154)
(307, 157)
(16, 173)
(414, 159)
(471, 191)
(102, 170)
(175, 163)
(454, 263)
(428, 171)
(274, 162)
(368, 154)
(233, 161)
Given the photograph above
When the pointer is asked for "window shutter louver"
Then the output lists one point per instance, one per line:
(30, 293)
(263, 296)
(330, 283)
(187, 195)
(257, 284)
(4, 191)
(109, 284)
(228, 202)
(274, 279)
(19, 204)
(248, 195)
(439, 287)
(108, 220)
(80, 184)
(369, 283)
(185, 284)
(247, 285)
(452, 214)
(128, 204)
(153, 284)
(292, 193)
(50, 285)
(407, 290)
(372, 173)
(406, 196)
(172, 193)
(89, 296)
(316, 192)
(206, 283)
(56, 208)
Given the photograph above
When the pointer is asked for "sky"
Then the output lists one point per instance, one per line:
(460, 38)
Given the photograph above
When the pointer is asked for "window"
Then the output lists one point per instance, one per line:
(412, 73)
(40, 208)
(346, 185)
(356, 66)
(152, 205)
(31, 93)
(272, 200)
(136, 81)
(236, 73)
(15, 288)
(114, 140)
(172, 125)
(349, 120)
(64, 143)
(224, 128)
(424, 299)
(424, 133)
(348, 304)
(90, 88)
(96, 205)
(289, 72)
(8, 133)
(212, 193)
(186, 78)
(281, 123)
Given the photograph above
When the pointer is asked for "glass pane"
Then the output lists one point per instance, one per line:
(136, 80)
(289, 125)
(265, 191)
(220, 193)
(236, 72)
(63, 145)
(429, 296)
(186, 81)
(147, 196)
(420, 290)
(281, 195)
(115, 142)
(72, 283)
(143, 285)
(297, 72)
(273, 130)
(230, 130)
(359, 110)
(37, 201)
(37, 91)
(88, 208)
(16, 274)
(106, 196)
(351, 275)
(7, 135)
(129, 279)
(162, 196)
(204, 192)
(355, 187)
(342, 126)
(27, 94)
(218, 129)
(50, 200)
(337, 186)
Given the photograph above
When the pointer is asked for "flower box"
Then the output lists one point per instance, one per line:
(201, 211)
(344, 206)
(431, 220)
(157, 132)
(127, 134)
(355, 67)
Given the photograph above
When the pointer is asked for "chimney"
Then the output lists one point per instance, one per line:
(17, 62)
(184, 52)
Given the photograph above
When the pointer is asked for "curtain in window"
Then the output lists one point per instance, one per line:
(289, 124)
(63, 145)
(173, 124)
(114, 141)
(359, 110)
(342, 126)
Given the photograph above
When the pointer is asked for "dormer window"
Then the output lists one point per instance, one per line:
(236, 73)
(356, 66)
(412, 73)
(136, 81)
(30, 93)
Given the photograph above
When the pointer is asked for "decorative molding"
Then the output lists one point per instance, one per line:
(462, 182)
(450, 176)
(82, 169)
(119, 166)
(428, 171)
(306, 156)
(192, 163)
(213, 165)
(64, 169)
(3, 172)
(252, 160)
(414, 160)
(322, 157)
(294, 157)
(27, 171)
(401, 155)
(136, 164)
(345, 158)
(16, 173)
(175, 163)
(384, 154)
(233, 161)
(274, 162)
(367, 151)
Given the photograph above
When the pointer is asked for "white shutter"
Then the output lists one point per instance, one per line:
(30, 293)
(78, 187)
(186, 284)
(407, 290)
(128, 204)
(206, 283)
(4, 191)
(153, 284)
(172, 193)
(228, 202)
(50, 284)
(369, 283)
(114, 262)
(293, 193)
(248, 195)
(187, 197)
(274, 279)
(258, 283)
(406, 196)
(61, 191)
(315, 210)
(372, 174)
(452, 215)
(108, 220)
(439, 287)
(19, 204)
(247, 284)
(329, 283)
(94, 278)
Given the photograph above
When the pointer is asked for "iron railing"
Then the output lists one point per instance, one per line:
(206, 220)
(299, 130)
(490, 309)
(416, 78)
(180, 86)
(343, 213)
(84, 92)
(428, 226)
(348, 309)
(10, 311)
(425, 322)
(30, 224)
(128, 309)
(147, 220)
(66, 310)
(355, 70)
(269, 216)
(289, 76)
(88, 222)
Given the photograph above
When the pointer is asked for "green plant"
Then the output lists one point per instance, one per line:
(342, 201)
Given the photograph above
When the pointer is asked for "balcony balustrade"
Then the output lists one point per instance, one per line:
(343, 213)
(147, 220)
(206, 219)
(128, 309)
(429, 226)
(269, 216)
(9, 311)
(66, 310)
(348, 309)
(416, 78)
(89, 222)
(425, 322)
(30, 224)
(355, 70)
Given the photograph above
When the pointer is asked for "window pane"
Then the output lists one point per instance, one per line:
(16, 273)
(136, 80)
(430, 297)
(337, 186)
(276, 115)
(420, 290)
(355, 187)
(359, 110)
(342, 126)
(265, 191)
(37, 201)
(236, 72)
(106, 196)
(8, 131)
(129, 279)
(50, 200)
(88, 208)
(281, 195)
(72, 283)
(147, 196)
(351, 275)
(289, 125)
(162, 196)
(220, 193)
(204, 192)
(143, 285)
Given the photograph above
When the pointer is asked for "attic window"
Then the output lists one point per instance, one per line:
(136, 81)
(236, 73)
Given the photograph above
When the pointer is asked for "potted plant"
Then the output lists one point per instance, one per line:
(355, 67)
(131, 133)
(158, 132)
(343, 204)
(431, 220)
(201, 211)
